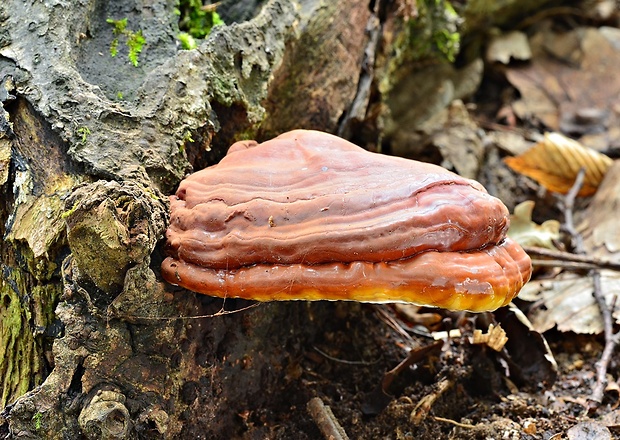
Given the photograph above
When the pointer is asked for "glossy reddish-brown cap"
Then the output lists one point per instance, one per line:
(310, 216)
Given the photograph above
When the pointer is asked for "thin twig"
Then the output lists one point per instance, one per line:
(413, 357)
(393, 324)
(325, 420)
(611, 338)
(343, 361)
(455, 423)
(425, 404)
(592, 261)
(568, 265)
(112, 313)
(568, 205)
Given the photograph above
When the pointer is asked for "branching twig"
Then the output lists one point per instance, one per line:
(611, 338)
(568, 265)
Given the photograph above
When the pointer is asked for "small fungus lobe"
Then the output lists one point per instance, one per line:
(310, 216)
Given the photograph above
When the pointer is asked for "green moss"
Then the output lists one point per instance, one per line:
(446, 38)
(151, 194)
(187, 41)
(119, 28)
(83, 133)
(27, 309)
(68, 213)
(29, 291)
(17, 357)
(434, 33)
(114, 47)
(119, 25)
(187, 137)
(197, 19)
(432, 37)
(134, 40)
(36, 419)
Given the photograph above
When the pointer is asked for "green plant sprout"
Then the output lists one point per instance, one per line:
(83, 133)
(69, 212)
(187, 137)
(37, 421)
(135, 40)
(187, 41)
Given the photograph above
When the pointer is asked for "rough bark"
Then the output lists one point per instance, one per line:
(92, 339)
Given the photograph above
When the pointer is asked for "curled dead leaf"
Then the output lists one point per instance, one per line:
(494, 338)
(530, 360)
(613, 388)
(567, 301)
(555, 161)
(527, 233)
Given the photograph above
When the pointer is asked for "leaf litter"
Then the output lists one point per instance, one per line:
(568, 89)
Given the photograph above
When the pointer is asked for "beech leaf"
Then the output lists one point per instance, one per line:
(555, 161)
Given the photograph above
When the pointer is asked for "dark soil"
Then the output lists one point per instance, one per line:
(467, 389)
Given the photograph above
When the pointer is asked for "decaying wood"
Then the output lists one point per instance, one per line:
(325, 420)
(88, 148)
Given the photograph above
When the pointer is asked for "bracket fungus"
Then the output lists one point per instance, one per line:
(310, 216)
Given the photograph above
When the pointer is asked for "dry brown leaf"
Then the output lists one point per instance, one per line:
(530, 357)
(494, 338)
(555, 161)
(599, 224)
(611, 419)
(588, 430)
(571, 84)
(567, 301)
